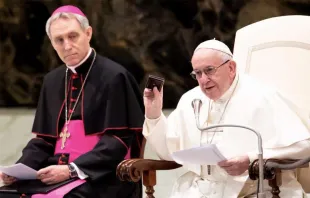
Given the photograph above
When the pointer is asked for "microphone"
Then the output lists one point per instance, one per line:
(196, 104)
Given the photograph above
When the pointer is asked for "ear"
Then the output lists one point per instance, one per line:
(232, 68)
(89, 32)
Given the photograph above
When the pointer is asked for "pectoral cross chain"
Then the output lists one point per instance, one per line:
(209, 169)
(64, 135)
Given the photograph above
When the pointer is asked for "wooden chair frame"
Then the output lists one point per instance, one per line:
(134, 170)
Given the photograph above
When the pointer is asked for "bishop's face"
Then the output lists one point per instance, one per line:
(213, 73)
(70, 40)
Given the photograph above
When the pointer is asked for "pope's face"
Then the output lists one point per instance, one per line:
(213, 83)
(70, 40)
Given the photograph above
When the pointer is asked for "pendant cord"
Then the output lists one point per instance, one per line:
(77, 100)
(222, 115)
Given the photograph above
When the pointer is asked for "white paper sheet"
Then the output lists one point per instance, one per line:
(204, 155)
(19, 171)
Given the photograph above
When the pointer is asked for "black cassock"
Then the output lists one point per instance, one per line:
(111, 104)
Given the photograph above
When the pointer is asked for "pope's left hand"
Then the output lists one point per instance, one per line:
(235, 166)
(53, 174)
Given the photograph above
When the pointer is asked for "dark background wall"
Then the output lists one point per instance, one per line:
(145, 36)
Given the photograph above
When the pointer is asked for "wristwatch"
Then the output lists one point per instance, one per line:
(72, 171)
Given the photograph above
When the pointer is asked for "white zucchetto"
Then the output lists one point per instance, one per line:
(214, 44)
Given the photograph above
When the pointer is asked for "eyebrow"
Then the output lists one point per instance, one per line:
(204, 67)
(70, 32)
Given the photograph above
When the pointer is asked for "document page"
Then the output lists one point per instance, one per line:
(204, 155)
(20, 171)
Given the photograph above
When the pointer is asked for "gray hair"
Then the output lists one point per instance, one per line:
(81, 19)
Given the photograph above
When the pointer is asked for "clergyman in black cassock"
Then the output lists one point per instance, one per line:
(98, 100)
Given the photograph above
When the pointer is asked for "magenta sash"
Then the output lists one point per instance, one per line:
(77, 144)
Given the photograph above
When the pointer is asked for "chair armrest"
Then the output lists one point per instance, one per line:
(272, 171)
(271, 166)
(132, 169)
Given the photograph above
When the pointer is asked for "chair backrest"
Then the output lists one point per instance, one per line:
(277, 51)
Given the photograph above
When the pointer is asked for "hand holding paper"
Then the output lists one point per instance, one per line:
(208, 154)
(19, 171)
(235, 166)
(7, 180)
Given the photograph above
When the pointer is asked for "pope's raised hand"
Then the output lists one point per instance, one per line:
(153, 102)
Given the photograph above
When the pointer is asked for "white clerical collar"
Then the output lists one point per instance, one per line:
(228, 93)
(72, 68)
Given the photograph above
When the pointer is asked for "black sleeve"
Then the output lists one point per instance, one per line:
(40, 148)
(125, 115)
(37, 152)
(107, 154)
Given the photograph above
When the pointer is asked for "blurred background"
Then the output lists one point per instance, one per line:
(145, 36)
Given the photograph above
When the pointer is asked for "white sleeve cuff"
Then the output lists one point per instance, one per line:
(152, 122)
(80, 173)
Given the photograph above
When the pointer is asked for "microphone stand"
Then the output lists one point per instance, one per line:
(260, 193)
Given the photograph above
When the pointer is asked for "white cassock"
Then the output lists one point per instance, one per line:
(247, 103)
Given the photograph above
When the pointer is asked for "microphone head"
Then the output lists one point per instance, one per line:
(196, 104)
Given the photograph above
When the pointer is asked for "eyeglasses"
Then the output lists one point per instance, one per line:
(209, 71)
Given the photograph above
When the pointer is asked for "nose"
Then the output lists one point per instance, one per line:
(204, 78)
(67, 44)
